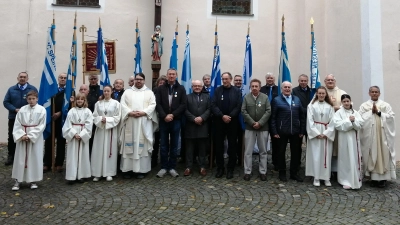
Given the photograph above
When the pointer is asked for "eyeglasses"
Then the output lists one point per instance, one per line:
(197, 86)
(139, 79)
(63, 78)
(93, 79)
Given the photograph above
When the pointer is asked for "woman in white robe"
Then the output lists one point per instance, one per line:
(106, 116)
(348, 122)
(77, 130)
(29, 125)
(321, 134)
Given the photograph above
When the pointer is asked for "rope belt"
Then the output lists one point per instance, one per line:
(326, 140)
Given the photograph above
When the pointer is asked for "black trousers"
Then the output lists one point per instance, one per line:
(60, 152)
(228, 130)
(11, 143)
(275, 151)
(193, 144)
(295, 152)
(239, 149)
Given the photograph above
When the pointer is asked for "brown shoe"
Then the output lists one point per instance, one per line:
(59, 169)
(187, 172)
(203, 172)
(45, 169)
(263, 177)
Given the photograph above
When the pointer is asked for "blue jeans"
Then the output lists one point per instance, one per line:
(169, 135)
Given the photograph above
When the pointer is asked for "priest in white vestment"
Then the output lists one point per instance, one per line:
(29, 125)
(106, 117)
(77, 130)
(348, 123)
(377, 139)
(139, 121)
(321, 134)
(335, 94)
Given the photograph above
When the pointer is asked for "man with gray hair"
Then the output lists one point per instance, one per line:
(207, 83)
(288, 123)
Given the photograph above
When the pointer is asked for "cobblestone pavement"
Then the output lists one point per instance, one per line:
(194, 200)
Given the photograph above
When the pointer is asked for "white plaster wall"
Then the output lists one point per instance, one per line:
(337, 29)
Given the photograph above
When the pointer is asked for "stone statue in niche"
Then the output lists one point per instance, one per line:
(156, 44)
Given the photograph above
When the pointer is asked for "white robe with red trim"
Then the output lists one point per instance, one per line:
(319, 151)
(28, 158)
(350, 155)
(105, 143)
(77, 161)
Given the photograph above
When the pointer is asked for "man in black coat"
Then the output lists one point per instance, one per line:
(57, 117)
(196, 129)
(271, 89)
(171, 105)
(303, 91)
(288, 123)
(225, 106)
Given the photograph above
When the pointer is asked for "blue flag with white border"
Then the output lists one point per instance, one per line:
(247, 73)
(71, 79)
(48, 83)
(173, 59)
(314, 76)
(216, 80)
(187, 67)
(138, 57)
(284, 70)
(102, 63)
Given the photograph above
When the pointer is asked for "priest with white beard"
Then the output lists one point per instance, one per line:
(377, 139)
(139, 121)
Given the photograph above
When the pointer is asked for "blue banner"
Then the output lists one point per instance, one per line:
(102, 63)
(71, 79)
(284, 70)
(187, 67)
(314, 76)
(138, 57)
(216, 71)
(173, 59)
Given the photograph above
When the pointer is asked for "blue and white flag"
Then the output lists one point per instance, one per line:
(314, 77)
(173, 59)
(247, 72)
(187, 67)
(102, 63)
(284, 70)
(247, 67)
(138, 57)
(71, 79)
(48, 83)
(216, 71)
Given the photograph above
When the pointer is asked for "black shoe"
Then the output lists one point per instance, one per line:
(296, 178)
(229, 174)
(154, 164)
(139, 175)
(126, 175)
(373, 183)
(220, 173)
(246, 177)
(82, 180)
(282, 175)
(9, 161)
(382, 183)
(263, 177)
(71, 182)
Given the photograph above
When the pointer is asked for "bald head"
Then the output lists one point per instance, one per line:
(197, 86)
(330, 81)
(286, 88)
(84, 89)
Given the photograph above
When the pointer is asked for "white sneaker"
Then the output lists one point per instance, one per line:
(173, 173)
(34, 186)
(161, 173)
(16, 186)
(226, 156)
(109, 178)
(316, 183)
(328, 183)
(96, 179)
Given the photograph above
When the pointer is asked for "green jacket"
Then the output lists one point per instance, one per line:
(256, 110)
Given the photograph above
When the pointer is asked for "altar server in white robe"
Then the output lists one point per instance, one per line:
(139, 121)
(377, 139)
(106, 117)
(77, 130)
(348, 122)
(28, 130)
(321, 133)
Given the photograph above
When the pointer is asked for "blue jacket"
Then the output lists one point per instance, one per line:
(287, 119)
(15, 99)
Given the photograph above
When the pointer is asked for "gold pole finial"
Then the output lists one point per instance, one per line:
(99, 23)
(312, 21)
(248, 28)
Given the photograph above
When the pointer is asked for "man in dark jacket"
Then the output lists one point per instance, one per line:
(118, 89)
(171, 105)
(15, 98)
(196, 128)
(271, 90)
(225, 106)
(207, 83)
(57, 117)
(288, 123)
(303, 91)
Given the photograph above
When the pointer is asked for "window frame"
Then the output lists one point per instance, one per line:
(226, 14)
(80, 6)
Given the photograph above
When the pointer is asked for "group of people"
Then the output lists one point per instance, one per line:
(126, 130)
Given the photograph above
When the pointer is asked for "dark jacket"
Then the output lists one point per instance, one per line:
(120, 93)
(235, 105)
(196, 108)
(16, 98)
(265, 89)
(93, 96)
(204, 90)
(304, 97)
(178, 104)
(287, 119)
